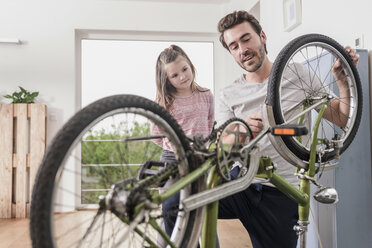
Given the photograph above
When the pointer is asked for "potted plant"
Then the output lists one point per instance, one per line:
(23, 96)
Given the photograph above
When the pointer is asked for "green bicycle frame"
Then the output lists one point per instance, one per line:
(300, 195)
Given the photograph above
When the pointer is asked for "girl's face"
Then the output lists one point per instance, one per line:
(180, 76)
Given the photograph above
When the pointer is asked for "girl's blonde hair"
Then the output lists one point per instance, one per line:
(165, 90)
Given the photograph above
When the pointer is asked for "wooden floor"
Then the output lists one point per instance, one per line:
(14, 233)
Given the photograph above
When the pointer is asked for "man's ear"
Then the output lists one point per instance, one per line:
(263, 36)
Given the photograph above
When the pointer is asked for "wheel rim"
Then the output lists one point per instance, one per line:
(107, 228)
(316, 56)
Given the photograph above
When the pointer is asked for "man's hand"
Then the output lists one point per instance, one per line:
(354, 56)
(337, 70)
(254, 122)
(341, 108)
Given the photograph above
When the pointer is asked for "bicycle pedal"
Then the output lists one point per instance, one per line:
(289, 130)
(149, 169)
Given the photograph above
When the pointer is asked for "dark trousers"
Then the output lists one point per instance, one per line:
(171, 205)
(266, 213)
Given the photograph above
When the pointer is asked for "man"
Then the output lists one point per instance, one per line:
(267, 214)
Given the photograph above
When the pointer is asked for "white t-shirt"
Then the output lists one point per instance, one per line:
(242, 98)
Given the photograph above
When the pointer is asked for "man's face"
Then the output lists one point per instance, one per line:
(246, 46)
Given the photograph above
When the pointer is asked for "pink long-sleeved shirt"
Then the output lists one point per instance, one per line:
(194, 113)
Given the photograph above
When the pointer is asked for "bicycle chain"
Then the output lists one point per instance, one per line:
(173, 165)
(214, 132)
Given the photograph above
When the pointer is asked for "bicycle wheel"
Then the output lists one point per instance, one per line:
(99, 148)
(302, 76)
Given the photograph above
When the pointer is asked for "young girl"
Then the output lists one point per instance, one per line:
(191, 105)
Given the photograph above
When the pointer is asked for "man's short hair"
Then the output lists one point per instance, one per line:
(235, 18)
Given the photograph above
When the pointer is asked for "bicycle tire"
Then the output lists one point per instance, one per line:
(42, 213)
(287, 61)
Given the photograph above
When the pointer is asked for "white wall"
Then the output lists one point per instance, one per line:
(342, 20)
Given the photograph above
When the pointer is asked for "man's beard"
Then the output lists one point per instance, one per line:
(260, 55)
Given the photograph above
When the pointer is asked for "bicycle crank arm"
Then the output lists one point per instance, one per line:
(203, 198)
(253, 142)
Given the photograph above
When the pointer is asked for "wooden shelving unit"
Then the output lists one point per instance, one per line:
(22, 146)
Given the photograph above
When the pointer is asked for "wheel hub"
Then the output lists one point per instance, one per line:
(122, 199)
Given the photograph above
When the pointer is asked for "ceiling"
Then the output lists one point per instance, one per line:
(186, 1)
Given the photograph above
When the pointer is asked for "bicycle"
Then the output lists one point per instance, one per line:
(129, 213)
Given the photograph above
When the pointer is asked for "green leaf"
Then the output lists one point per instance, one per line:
(23, 96)
(22, 89)
(34, 94)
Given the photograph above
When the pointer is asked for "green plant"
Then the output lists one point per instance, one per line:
(23, 96)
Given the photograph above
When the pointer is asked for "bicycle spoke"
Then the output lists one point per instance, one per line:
(90, 227)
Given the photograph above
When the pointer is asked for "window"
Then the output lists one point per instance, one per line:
(127, 66)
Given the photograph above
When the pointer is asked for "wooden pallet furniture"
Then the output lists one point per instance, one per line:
(22, 146)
